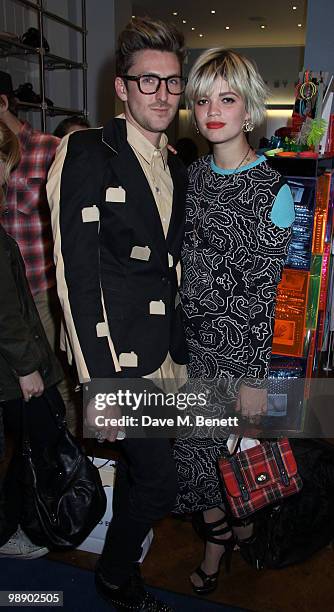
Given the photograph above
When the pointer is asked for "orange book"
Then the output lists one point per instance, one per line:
(289, 331)
(321, 211)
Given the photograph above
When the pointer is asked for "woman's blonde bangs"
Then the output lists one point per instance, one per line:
(239, 72)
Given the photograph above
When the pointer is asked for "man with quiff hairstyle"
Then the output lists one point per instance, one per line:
(117, 198)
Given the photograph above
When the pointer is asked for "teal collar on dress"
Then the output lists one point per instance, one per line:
(259, 160)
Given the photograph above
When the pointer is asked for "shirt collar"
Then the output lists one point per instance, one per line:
(24, 134)
(144, 147)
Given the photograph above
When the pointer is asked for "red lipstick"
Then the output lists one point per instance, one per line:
(215, 125)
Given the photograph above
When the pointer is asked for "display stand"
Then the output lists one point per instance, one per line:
(302, 321)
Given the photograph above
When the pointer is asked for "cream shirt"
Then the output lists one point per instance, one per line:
(154, 164)
(155, 167)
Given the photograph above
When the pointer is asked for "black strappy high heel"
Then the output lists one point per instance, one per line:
(209, 532)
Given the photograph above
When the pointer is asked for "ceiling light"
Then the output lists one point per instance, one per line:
(227, 27)
(262, 27)
(175, 13)
(200, 35)
(213, 12)
(294, 8)
(193, 29)
(184, 21)
(300, 25)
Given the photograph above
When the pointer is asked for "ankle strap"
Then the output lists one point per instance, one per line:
(211, 531)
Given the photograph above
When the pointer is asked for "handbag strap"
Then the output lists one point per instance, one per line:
(280, 463)
(235, 441)
(26, 444)
(60, 421)
(240, 479)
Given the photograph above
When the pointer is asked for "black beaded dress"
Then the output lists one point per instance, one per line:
(237, 236)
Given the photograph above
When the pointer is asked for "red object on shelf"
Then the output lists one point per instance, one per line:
(309, 154)
(287, 154)
(324, 276)
(321, 329)
(330, 136)
(291, 303)
(311, 355)
(321, 213)
(284, 131)
(297, 122)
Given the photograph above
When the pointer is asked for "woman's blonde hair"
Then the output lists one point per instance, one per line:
(240, 73)
(9, 153)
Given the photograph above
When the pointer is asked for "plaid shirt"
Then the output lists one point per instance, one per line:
(26, 214)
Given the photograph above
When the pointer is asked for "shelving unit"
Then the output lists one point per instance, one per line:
(52, 111)
(11, 47)
(302, 299)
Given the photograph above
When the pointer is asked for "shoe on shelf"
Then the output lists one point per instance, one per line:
(209, 532)
(20, 547)
(132, 596)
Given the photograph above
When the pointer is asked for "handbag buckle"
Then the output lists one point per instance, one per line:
(262, 478)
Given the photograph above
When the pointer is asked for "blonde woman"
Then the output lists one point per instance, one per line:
(238, 217)
(9, 158)
(27, 366)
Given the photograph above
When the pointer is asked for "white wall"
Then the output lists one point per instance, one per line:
(103, 27)
(319, 47)
(100, 57)
(123, 12)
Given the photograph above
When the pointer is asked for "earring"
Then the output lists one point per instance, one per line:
(248, 126)
(196, 129)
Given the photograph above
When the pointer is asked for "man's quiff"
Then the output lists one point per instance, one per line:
(145, 33)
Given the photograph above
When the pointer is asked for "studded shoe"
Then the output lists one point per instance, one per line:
(132, 596)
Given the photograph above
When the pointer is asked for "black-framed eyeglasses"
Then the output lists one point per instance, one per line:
(150, 83)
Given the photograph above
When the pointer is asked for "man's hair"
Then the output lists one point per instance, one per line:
(64, 127)
(6, 89)
(9, 153)
(145, 33)
(12, 103)
(240, 73)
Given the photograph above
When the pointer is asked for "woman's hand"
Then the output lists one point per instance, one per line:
(32, 385)
(171, 149)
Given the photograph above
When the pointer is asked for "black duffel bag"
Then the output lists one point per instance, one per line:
(63, 497)
(300, 525)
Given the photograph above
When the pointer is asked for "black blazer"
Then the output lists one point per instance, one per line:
(116, 272)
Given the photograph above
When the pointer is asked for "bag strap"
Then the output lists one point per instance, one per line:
(59, 419)
(280, 464)
(26, 444)
(240, 479)
(234, 441)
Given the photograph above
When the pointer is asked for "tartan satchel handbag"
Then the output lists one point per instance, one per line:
(259, 476)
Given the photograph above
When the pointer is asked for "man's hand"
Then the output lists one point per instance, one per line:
(252, 402)
(109, 432)
(32, 385)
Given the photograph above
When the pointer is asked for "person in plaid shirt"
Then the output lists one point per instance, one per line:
(27, 216)
(27, 219)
